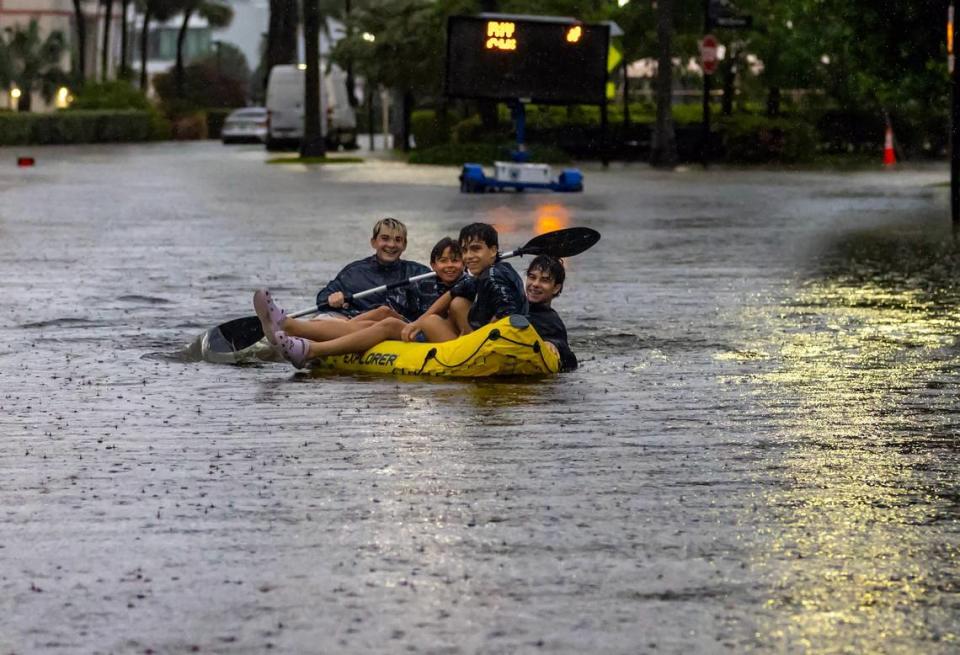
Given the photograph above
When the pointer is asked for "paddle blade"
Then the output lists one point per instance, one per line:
(562, 243)
(235, 335)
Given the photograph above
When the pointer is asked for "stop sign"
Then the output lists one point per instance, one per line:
(708, 54)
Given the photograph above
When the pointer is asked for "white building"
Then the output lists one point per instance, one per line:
(59, 15)
(247, 31)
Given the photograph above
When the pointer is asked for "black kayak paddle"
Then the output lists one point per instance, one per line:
(241, 333)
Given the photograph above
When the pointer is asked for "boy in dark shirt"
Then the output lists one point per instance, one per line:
(367, 329)
(446, 260)
(545, 277)
(383, 267)
(492, 291)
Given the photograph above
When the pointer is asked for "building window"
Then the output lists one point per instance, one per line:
(163, 44)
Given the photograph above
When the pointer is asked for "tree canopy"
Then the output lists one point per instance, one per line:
(852, 54)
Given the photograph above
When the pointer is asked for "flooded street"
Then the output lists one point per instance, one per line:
(759, 452)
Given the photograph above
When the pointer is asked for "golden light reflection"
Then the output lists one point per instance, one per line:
(504, 219)
(550, 217)
(845, 532)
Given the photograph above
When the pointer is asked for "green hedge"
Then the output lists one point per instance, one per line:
(116, 94)
(747, 137)
(919, 131)
(79, 126)
(741, 138)
(454, 154)
(431, 128)
(757, 139)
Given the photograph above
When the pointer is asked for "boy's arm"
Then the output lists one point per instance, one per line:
(551, 329)
(568, 361)
(334, 286)
(507, 298)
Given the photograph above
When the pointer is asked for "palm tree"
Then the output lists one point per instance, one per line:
(105, 54)
(663, 151)
(6, 65)
(124, 30)
(282, 34)
(33, 63)
(217, 13)
(152, 9)
(312, 143)
(81, 22)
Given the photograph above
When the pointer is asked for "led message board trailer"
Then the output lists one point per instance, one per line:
(530, 58)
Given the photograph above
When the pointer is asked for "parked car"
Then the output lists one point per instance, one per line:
(247, 125)
(285, 109)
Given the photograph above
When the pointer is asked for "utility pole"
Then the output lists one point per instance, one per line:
(954, 120)
(705, 146)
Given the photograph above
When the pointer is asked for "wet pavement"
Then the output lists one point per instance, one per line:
(759, 453)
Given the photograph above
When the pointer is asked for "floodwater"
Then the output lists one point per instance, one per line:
(759, 453)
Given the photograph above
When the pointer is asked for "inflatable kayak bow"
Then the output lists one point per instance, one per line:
(511, 346)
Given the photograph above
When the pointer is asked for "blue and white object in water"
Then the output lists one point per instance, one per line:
(520, 177)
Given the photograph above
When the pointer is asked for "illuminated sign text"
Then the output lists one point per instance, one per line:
(500, 35)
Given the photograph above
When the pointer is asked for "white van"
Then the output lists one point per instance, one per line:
(338, 120)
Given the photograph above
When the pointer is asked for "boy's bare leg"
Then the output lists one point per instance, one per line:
(322, 330)
(438, 329)
(359, 341)
(377, 314)
(458, 313)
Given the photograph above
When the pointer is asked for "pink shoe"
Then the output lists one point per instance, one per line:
(295, 350)
(271, 316)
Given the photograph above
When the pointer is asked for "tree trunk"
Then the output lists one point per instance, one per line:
(729, 82)
(81, 40)
(124, 29)
(23, 103)
(312, 143)
(281, 35)
(351, 81)
(181, 38)
(773, 102)
(144, 42)
(394, 114)
(105, 55)
(407, 111)
(663, 150)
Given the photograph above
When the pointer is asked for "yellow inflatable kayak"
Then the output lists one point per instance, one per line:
(511, 346)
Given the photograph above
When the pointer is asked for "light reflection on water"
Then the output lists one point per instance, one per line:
(860, 532)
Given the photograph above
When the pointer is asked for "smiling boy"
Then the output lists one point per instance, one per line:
(492, 291)
(362, 332)
(545, 277)
(382, 268)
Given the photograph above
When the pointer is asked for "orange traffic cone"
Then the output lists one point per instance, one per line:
(889, 157)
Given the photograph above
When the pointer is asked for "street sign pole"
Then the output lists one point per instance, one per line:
(954, 120)
(705, 140)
